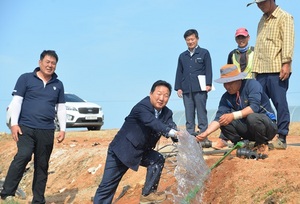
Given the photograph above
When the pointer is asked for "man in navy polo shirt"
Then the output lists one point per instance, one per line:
(36, 98)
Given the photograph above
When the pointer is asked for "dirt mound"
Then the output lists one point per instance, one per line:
(77, 164)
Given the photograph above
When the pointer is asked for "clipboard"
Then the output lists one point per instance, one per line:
(202, 82)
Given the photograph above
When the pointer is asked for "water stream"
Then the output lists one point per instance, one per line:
(191, 170)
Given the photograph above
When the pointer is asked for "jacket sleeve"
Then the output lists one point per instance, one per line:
(179, 75)
(288, 36)
(208, 69)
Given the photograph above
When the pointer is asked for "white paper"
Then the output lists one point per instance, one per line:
(202, 82)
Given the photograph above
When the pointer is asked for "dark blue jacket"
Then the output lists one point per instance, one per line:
(251, 94)
(188, 69)
(140, 132)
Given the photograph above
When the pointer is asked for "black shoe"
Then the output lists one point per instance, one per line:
(8, 198)
(282, 138)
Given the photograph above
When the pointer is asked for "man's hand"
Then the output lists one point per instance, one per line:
(285, 71)
(175, 136)
(225, 119)
(61, 136)
(201, 137)
(208, 88)
(179, 93)
(15, 131)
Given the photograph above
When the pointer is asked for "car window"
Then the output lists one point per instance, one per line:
(73, 98)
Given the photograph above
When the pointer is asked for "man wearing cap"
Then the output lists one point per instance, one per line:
(244, 111)
(242, 57)
(273, 58)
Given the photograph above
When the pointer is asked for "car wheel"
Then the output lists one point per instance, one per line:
(94, 128)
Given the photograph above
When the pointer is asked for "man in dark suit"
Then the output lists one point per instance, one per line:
(134, 145)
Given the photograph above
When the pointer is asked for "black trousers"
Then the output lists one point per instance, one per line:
(32, 141)
(115, 169)
(256, 127)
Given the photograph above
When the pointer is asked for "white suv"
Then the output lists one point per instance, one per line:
(80, 113)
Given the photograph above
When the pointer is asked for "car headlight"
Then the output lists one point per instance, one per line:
(70, 117)
(71, 108)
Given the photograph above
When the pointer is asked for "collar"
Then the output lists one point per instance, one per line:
(157, 113)
(193, 51)
(54, 75)
(274, 14)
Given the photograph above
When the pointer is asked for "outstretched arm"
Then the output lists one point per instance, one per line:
(212, 127)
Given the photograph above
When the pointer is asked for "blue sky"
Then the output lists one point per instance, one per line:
(111, 52)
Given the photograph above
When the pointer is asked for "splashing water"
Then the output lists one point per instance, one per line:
(191, 170)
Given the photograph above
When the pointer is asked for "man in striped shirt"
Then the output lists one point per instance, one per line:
(273, 59)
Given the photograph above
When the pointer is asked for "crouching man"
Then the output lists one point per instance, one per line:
(244, 111)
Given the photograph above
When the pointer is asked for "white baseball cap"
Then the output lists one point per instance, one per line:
(256, 1)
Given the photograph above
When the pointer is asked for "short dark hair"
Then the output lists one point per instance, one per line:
(190, 32)
(161, 83)
(51, 53)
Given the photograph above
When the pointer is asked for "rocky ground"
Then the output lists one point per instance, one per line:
(76, 168)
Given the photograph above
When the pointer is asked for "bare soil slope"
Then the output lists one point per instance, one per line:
(76, 168)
